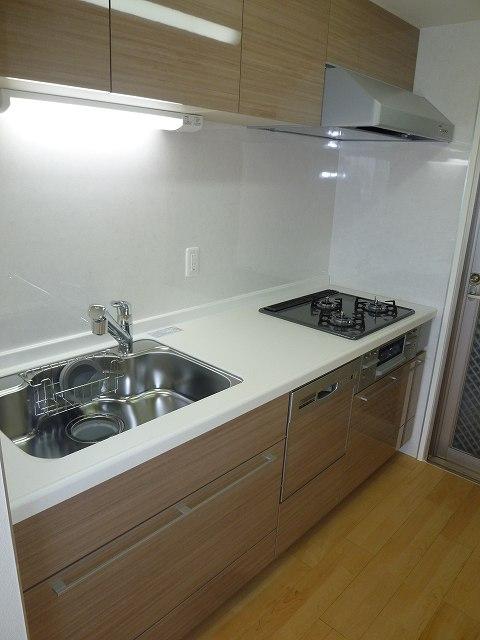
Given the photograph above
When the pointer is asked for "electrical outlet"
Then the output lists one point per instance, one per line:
(192, 262)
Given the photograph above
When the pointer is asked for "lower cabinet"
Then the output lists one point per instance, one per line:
(125, 587)
(203, 602)
(58, 537)
(380, 415)
(173, 560)
(308, 505)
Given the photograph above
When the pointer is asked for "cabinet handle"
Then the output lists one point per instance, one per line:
(59, 586)
(317, 397)
(326, 393)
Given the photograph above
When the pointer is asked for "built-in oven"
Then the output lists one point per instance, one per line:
(389, 356)
(386, 398)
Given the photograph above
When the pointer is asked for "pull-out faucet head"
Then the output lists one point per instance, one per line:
(98, 316)
(120, 329)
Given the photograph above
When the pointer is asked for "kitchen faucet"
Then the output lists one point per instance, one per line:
(102, 321)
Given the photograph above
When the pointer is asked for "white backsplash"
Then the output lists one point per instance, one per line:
(397, 205)
(396, 218)
(395, 227)
(88, 217)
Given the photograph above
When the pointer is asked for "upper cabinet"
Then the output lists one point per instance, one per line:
(59, 41)
(283, 59)
(366, 38)
(185, 51)
(257, 59)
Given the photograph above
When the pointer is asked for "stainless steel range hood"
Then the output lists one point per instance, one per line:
(359, 108)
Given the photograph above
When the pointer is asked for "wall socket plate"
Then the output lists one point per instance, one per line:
(192, 262)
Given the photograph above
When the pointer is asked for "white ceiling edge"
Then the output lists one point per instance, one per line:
(432, 13)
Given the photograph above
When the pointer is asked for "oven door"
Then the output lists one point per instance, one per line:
(379, 411)
(318, 427)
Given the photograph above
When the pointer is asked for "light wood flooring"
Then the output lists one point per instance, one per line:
(398, 560)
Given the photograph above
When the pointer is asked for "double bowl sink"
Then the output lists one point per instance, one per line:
(47, 421)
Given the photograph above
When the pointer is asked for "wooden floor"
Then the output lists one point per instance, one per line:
(398, 560)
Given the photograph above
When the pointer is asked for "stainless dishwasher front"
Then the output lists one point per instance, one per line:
(318, 425)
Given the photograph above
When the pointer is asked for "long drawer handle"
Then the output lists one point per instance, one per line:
(60, 587)
(366, 399)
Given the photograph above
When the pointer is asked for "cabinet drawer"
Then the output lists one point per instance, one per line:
(318, 426)
(61, 535)
(127, 586)
(203, 602)
(308, 505)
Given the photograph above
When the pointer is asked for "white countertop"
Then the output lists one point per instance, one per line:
(271, 355)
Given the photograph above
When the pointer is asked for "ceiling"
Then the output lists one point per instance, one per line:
(430, 13)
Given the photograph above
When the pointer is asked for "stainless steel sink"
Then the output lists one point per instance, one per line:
(152, 381)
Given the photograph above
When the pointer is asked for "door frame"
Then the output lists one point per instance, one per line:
(462, 336)
(466, 221)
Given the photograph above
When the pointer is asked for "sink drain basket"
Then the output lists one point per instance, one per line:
(91, 429)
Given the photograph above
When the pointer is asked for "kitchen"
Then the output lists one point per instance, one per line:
(198, 229)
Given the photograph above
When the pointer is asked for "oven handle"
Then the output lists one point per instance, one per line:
(393, 379)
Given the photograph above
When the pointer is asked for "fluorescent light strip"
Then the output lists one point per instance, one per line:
(56, 110)
(176, 19)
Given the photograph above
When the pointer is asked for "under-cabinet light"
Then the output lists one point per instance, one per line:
(56, 110)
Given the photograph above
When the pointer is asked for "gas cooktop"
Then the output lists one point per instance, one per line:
(339, 313)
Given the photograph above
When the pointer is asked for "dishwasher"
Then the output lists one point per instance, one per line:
(318, 425)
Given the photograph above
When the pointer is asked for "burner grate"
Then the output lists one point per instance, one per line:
(326, 304)
(376, 307)
(342, 322)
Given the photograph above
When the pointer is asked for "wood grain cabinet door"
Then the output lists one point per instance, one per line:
(59, 536)
(128, 585)
(59, 41)
(184, 51)
(283, 59)
(366, 38)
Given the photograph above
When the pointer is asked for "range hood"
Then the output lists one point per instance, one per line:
(356, 107)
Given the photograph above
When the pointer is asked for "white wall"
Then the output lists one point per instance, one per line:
(93, 214)
(12, 624)
(448, 73)
(397, 208)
